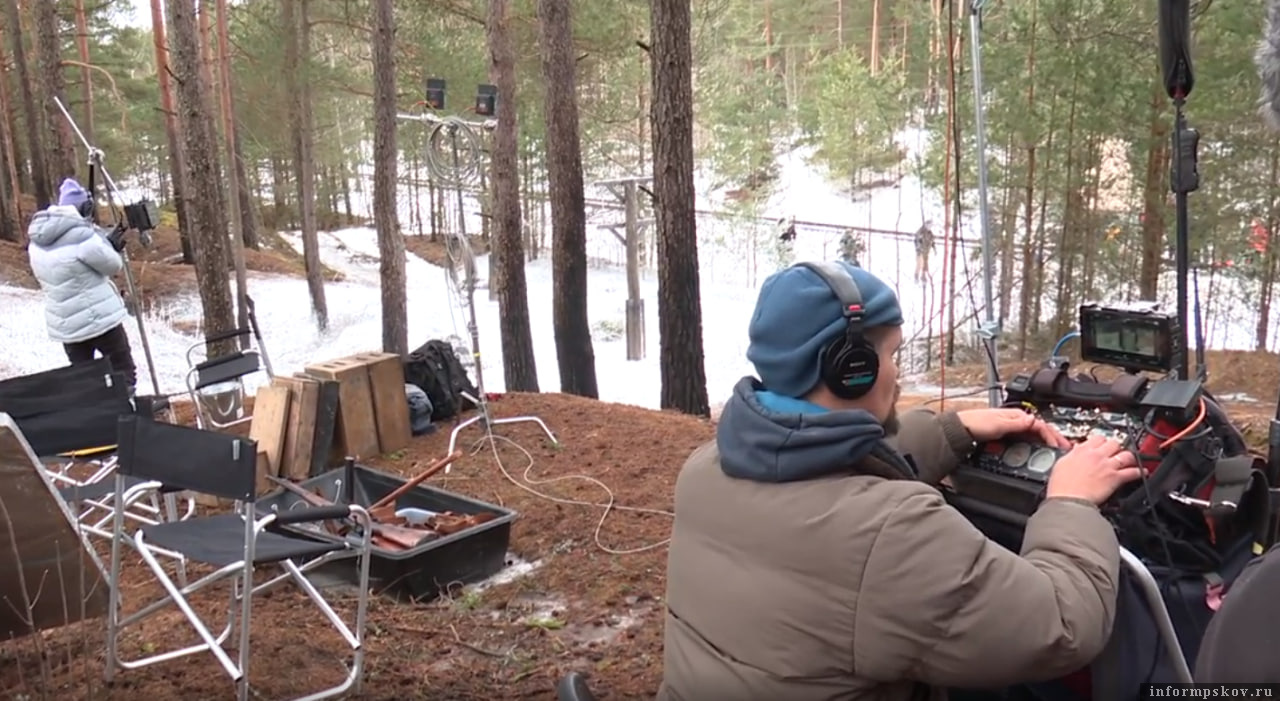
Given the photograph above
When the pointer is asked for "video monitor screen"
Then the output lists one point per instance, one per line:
(1136, 341)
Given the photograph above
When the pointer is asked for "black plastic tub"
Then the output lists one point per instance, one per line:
(421, 572)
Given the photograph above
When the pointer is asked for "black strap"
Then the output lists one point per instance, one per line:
(93, 211)
(1231, 479)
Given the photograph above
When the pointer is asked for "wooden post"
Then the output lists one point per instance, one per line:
(635, 303)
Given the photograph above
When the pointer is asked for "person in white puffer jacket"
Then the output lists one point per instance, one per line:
(73, 261)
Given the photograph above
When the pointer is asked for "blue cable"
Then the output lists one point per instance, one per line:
(1063, 340)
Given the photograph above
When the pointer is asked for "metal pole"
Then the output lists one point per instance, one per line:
(468, 270)
(1182, 246)
(989, 329)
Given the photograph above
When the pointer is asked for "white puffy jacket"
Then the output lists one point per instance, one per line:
(74, 262)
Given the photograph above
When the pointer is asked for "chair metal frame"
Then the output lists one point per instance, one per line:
(230, 368)
(236, 480)
(94, 379)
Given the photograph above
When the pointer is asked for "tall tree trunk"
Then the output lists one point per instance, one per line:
(172, 130)
(391, 256)
(62, 153)
(10, 227)
(684, 377)
(297, 53)
(519, 368)
(234, 221)
(208, 216)
(243, 205)
(1154, 196)
(875, 37)
(12, 153)
(1272, 256)
(250, 222)
(574, 352)
(86, 77)
(44, 190)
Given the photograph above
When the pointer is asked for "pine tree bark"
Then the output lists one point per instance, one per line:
(228, 113)
(172, 131)
(241, 199)
(34, 119)
(250, 221)
(574, 352)
(62, 151)
(86, 77)
(391, 256)
(684, 377)
(1154, 196)
(11, 228)
(297, 51)
(207, 212)
(518, 366)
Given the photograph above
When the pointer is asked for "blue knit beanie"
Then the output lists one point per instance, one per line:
(797, 314)
(71, 193)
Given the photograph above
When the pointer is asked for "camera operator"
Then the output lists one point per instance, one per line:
(814, 558)
(73, 261)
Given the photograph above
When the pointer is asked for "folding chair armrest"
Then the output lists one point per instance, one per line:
(138, 491)
(311, 514)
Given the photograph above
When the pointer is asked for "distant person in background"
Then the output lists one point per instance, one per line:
(851, 247)
(924, 246)
(786, 247)
(788, 230)
(73, 261)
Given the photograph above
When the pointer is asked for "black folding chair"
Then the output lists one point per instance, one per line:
(71, 413)
(221, 378)
(235, 544)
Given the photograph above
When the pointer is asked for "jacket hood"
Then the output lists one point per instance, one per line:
(765, 440)
(50, 227)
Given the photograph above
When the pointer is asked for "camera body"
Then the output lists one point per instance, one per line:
(1137, 336)
(142, 215)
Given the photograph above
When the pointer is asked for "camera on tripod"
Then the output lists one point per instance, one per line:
(1133, 337)
(142, 215)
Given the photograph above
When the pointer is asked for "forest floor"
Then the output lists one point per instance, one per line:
(576, 606)
(432, 249)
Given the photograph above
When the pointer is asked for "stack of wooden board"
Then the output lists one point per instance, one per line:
(353, 406)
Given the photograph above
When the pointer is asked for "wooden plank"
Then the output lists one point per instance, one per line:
(306, 399)
(271, 423)
(294, 385)
(326, 431)
(390, 405)
(261, 470)
(356, 425)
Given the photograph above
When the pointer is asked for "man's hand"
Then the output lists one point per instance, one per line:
(1093, 471)
(993, 424)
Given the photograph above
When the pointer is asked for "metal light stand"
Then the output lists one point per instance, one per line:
(144, 237)
(1185, 180)
(989, 329)
(483, 415)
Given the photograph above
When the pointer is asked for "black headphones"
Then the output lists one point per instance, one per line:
(850, 363)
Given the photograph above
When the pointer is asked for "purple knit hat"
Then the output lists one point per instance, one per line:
(71, 193)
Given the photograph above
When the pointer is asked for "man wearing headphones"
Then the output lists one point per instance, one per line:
(813, 558)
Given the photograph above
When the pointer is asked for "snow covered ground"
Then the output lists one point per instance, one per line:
(728, 294)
